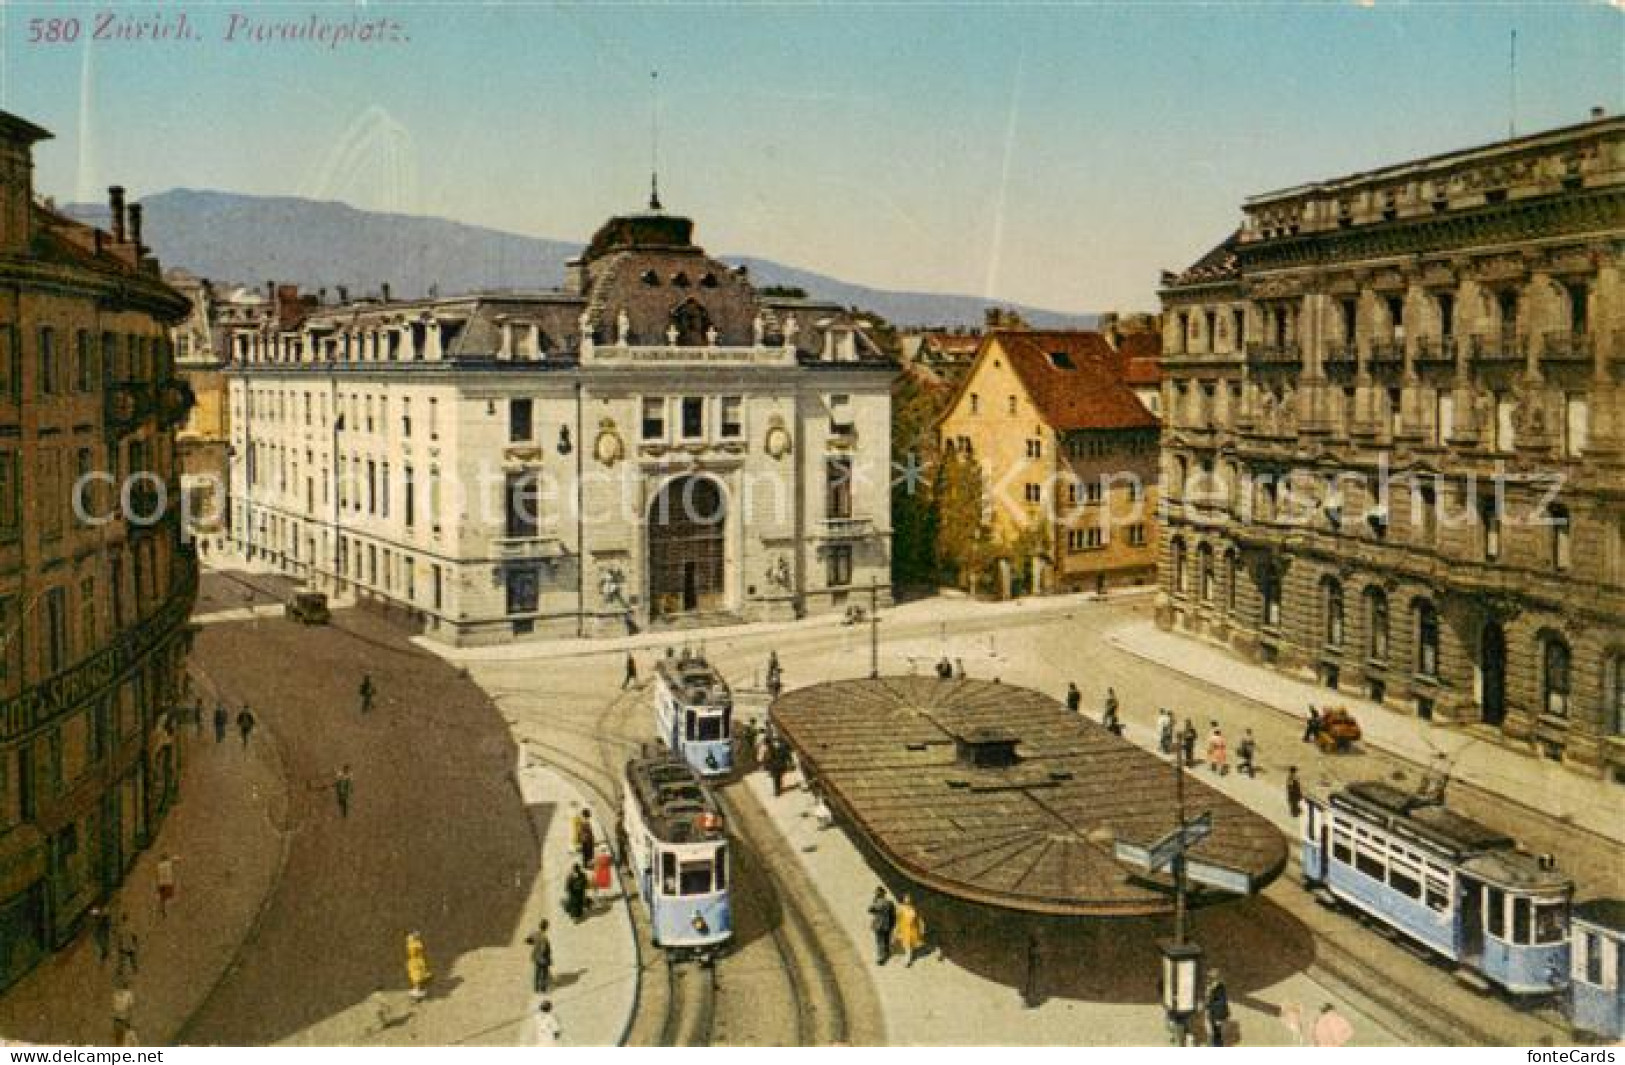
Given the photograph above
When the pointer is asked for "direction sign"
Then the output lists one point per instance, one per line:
(1181, 839)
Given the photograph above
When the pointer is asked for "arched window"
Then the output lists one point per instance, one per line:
(1178, 551)
(1376, 623)
(1427, 638)
(1332, 591)
(1204, 565)
(1554, 676)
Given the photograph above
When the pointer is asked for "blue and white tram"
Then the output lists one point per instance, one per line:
(694, 712)
(677, 848)
(1451, 884)
(1596, 990)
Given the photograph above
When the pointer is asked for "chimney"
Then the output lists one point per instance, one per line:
(115, 206)
(1599, 112)
(135, 228)
(270, 291)
(344, 295)
(384, 288)
(321, 296)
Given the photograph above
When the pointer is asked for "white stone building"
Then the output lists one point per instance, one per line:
(656, 443)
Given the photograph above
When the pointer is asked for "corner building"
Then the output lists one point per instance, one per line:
(1394, 454)
(93, 601)
(655, 444)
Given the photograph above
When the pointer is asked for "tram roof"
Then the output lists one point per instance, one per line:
(999, 795)
(694, 680)
(1603, 913)
(676, 806)
(1430, 820)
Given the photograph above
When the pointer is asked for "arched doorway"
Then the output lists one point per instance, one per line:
(692, 323)
(687, 551)
(1492, 668)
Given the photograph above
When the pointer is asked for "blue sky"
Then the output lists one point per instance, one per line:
(1059, 155)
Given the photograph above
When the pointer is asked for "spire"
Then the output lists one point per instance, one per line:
(654, 141)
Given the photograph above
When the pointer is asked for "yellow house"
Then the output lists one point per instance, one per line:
(1068, 455)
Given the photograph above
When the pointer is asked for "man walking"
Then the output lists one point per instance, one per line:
(245, 723)
(778, 762)
(541, 960)
(101, 926)
(630, 680)
(342, 786)
(219, 722)
(1074, 698)
(368, 690)
(1294, 791)
(1311, 727)
(582, 835)
(1187, 743)
(1246, 750)
(882, 922)
(1218, 1009)
(1165, 731)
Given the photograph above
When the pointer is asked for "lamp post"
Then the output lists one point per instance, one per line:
(1181, 959)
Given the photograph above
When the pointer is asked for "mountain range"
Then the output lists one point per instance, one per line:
(231, 237)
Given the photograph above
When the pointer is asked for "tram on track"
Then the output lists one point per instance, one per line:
(1465, 892)
(693, 709)
(677, 850)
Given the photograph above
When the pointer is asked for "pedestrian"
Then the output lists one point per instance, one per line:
(1165, 731)
(1246, 751)
(1111, 703)
(541, 959)
(367, 691)
(245, 723)
(775, 675)
(910, 929)
(548, 1033)
(101, 927)
(1111, 721)
(166, 883)
(1074, 698)
(630, 680)
(1187, 742)
(959, 669)
(1218, 1009)
(882, 922)
(123, 1012)
(1030, 996)
(575, 893)
(777, 762)
(764, 751)
(418, 973)
(1294, 792)
(581, 834)
(1217, 750)
(945, 669)
(1331, 1029)
(129, 950)
(219, 722)
(602, 869)
(1311, 727)
(342, 786)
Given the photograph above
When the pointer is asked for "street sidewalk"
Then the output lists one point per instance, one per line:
(226, 832)
(595, 963)
(1518, 777)
(945, 608)
(939, 1002)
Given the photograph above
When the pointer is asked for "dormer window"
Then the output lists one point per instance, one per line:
(1061, 360)
(708, 281)
(679, 279)
(651, 279)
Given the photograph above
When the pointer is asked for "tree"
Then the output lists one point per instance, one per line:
(915, 410)
(964, 543)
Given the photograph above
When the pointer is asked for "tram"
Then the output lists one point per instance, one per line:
(694, 712)
(677, 849)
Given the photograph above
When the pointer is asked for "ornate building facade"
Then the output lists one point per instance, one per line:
(1394, 455)
(654, 443)
(94, 598)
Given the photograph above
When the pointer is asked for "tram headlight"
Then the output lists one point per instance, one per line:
(699, 924)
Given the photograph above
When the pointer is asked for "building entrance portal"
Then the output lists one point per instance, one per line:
(687, 574)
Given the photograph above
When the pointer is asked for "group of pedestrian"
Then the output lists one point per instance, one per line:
(896, 922)
(954, 670)
(222, 718)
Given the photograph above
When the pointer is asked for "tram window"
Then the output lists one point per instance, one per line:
(668, 873)
(1590, 945)
(1438, 892)
(1551, 920)
(1405, 879)
(696, 878)
(1495, 911)
(1520, 920)
(1369, 860)
(722, 868)
(709, 727)
(1340, 845)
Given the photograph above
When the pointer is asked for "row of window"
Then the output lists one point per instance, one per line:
(391, 571)
(353, 412)
(112, 357)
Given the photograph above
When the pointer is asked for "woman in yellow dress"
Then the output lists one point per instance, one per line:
(910, 929)
(418, 973)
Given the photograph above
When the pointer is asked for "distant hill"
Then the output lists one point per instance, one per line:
(226, 236)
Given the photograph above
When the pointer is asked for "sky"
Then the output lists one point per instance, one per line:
(1058, 155)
